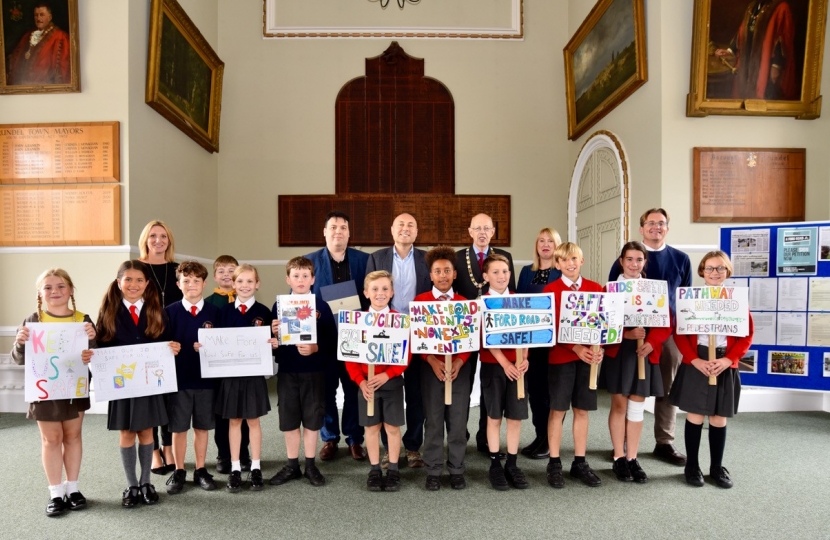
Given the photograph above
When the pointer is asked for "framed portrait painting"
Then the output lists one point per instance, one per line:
(757, 57)
(605, 62)
(39, 47)
(184, 74)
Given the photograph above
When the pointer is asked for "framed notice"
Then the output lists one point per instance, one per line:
(749, 185)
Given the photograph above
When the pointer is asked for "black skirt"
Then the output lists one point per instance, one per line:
(243, 397)
(136, 414)
(692, 393)
(621, 376)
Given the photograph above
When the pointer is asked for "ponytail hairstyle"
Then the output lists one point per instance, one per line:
(57, 272)
(112, 303)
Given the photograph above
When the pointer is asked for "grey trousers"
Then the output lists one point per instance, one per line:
(437, 415)
(664, 412)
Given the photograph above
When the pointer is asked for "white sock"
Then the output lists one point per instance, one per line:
(56, 491)
(255, 464)
(236, 466)
(71, 487)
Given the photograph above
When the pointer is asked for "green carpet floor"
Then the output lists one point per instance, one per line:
(779, 462)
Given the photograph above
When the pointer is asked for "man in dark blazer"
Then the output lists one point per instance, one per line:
(470, 284)
(338, 263)
(410, 273)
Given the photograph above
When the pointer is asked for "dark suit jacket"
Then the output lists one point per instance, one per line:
(526, 276)
(383, 259)
(463, 285)
(322, 270)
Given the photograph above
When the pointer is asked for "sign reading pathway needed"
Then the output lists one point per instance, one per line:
(54, 369)
(720, 311)
(518, 320)
(591, 318)
(646, 302)
(373, 338)
(297, 314)
(445, 327)
(236, 352)
(133, 371)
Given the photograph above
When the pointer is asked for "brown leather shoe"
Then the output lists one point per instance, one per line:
(413, 459)
(669, 454)
(357, 451)
(329, 451)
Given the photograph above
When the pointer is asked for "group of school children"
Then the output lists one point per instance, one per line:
(132, 313)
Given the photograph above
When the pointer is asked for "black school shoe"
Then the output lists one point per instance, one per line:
(621, 470)
(314, 476)
(582, 471)
(637, 472)
(555, 478)
(175, 483)
(148, 494)
(694, 477)
(223, 466)
(245, 464)
(203, 479)
(75, 501)
(721, 477)
(375, 480)
(234, 482)
(497, 479)
(392, 482)
(433, 483)
(457, 481)
(286, 474)
(55, 507)
(131, 497)
(516, 478)
(255, 478)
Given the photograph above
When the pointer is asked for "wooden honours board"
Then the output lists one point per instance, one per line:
(749, 184)
(60, 215)
(59, 153)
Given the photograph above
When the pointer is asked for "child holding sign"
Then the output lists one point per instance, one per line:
(628, 391)
(59, 421)
(691, 391)
(499, 390)
(386, 388)
(244, 398)
(301, 381)
(568, 376)
(441, 262)
(131, 314)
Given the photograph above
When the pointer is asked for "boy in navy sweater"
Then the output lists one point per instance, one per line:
(194, 400)
(301, 380)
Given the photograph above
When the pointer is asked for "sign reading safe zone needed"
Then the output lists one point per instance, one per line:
(518, 320)
(591, 318)
(373, 338)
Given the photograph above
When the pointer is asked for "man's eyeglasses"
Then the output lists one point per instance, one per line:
(482, 229)
(658, 224)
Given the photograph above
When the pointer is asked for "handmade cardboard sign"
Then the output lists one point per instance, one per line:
(236, 352)
(591, 318)
(518, 320)
(445, 327)
(646, 301)
(133, 371)
(720, 311)
(54, 369)
(373, 338)
(297, 314)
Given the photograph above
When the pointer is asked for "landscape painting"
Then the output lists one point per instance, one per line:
(605, 62)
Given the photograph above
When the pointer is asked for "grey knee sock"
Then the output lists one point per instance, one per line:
(145, 459)
(128, 458)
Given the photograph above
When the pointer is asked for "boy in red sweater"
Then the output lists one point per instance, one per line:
(386, 387)
(569, 369)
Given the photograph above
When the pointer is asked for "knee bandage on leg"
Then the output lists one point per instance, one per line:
(634, 412)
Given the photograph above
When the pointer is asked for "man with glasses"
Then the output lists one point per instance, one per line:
(672, 265)
(469, 283)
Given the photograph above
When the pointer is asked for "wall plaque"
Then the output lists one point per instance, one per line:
(60, 215)
(749, 185)
(65, 153)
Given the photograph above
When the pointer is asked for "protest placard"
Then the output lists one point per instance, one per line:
(373, 338)
(236, 352)
(713, 310)
(297, 314)
(591, 318)
(133, 371)
(54, 369)
(646, 302)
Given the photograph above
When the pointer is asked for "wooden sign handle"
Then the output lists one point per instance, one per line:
(448, 379)
(592, 383)
(520, 382)
(370, 405)
(713, 381)
(641, 363)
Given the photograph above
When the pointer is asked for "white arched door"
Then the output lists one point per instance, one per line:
(597, 204)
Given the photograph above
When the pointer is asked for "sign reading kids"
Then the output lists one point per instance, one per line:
(54, 369)
(646, 301)
(591, 318)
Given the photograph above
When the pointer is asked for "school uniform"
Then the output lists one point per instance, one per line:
(437, 415)
(691, 391)
(568, 375)
(301, 381)
(388, 398)
(243, 397)
(499, 393)
(140, 413)
(220, 298)
(194, 400)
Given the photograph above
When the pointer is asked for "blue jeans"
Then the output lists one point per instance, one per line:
(336, 374)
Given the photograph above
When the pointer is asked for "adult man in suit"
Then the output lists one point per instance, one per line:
(411, 277)
(470, 284)
(338, 263)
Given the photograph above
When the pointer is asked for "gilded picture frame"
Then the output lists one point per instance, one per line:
(605, 62)
(757, 58)
(184, 74)
(39, 50)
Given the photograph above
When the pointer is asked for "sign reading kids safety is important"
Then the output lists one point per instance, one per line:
(373, 338)
(445, 327)
(722, 311)
(518, 320)
(297, 314)
(133, 371)
(591, 318)
(54, 369)
(646, 301)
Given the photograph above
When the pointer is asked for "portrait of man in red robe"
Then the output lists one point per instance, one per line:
(42, 56)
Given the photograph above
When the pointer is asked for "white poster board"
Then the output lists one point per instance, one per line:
(297, 314)
(373, 338)
(236, 352)
(445, 327)
(722, 311)
(518, 320)
(591, 318)
(54, 369)
(133, 371)
(646, 302)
